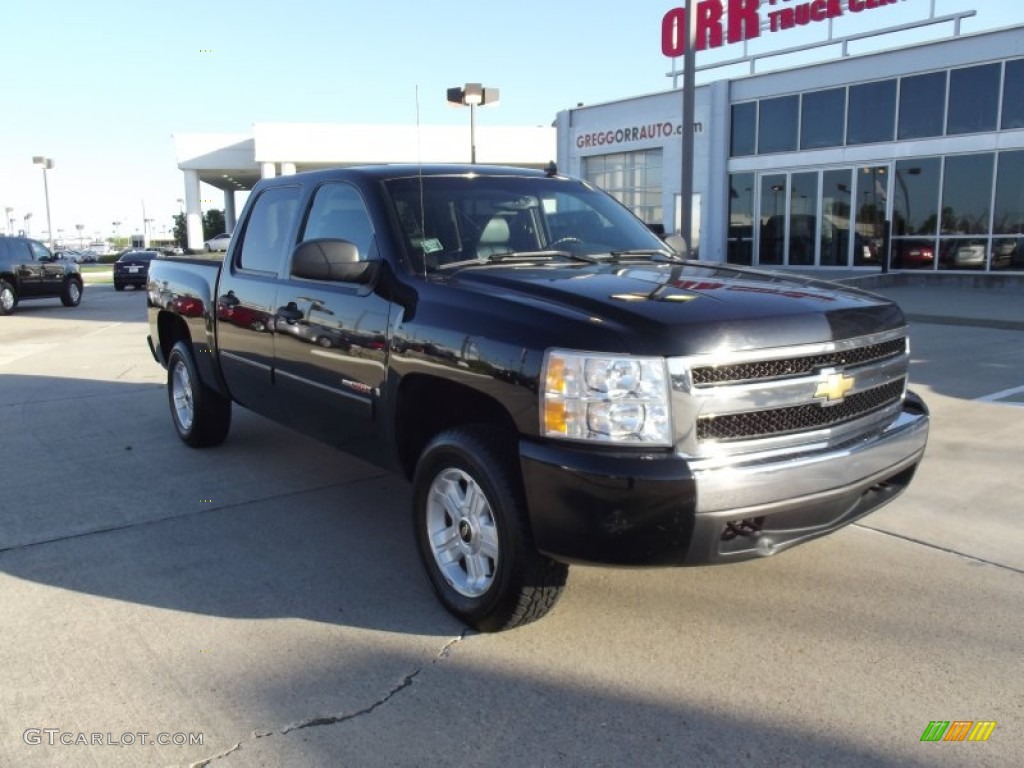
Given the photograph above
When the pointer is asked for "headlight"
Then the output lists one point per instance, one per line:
(613, 398)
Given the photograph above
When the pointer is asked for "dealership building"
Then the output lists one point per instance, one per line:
(918, 149)
(910, 157)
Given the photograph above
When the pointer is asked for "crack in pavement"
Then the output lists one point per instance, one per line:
(343, 717)
(938, 547)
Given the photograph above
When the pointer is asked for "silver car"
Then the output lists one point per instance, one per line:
(218, 242)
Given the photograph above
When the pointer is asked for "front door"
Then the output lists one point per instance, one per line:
(331, 337)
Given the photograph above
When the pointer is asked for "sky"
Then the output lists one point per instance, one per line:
(101, 87)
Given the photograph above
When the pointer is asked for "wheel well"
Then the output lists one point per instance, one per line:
(427, 406)
(170, 330)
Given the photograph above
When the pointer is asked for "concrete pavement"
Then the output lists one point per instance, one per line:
(266, 595)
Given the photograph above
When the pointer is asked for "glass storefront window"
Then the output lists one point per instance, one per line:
(1013, 95)
(633, 178)
(777, 129)
(741, 219)
(1009, 212)
(871, 115)
(803, 220)
(915, 205)
(744, 129)
(913, 253)
(773, 218)
(1008, 253)
(835, 218)
(967, 194)
(963, 253)
(973, 99)
(823, 119)
(922, 106)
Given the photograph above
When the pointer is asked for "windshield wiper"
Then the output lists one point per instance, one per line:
(495, 258)
(654, 252)
(513, 255)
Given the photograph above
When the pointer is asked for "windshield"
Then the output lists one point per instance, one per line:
(447, 220)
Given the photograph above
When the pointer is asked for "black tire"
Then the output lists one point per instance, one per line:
(493, 577)
(71, 293)
(202, 417)
(8, 298)
(118, 286)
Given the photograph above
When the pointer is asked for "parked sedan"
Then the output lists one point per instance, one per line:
(912, 254)
(133, 269)
(218, 242)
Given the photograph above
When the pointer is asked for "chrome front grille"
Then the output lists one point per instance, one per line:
(797, 418)
(786, 398)
(708, 375)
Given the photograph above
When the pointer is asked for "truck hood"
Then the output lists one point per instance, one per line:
(690, 308)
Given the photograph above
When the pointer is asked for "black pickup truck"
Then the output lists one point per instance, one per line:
(29, 271)
(559, 384)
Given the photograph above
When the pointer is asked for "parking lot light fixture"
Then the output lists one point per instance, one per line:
(46, 163)
(472, 95)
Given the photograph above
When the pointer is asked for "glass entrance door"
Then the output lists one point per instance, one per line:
(871, 205)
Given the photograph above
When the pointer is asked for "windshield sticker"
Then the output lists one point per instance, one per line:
(432, 245)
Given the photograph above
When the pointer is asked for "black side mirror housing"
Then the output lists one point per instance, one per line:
(334, 260)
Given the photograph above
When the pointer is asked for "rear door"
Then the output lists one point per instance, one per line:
(25, 266)
(246, 293)
(331, 337)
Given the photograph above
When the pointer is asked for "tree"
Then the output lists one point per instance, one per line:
(180, 232)
(213, 224)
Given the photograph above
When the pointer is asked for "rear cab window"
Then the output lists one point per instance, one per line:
(269, 230)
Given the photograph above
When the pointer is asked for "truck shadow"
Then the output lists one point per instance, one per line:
(102, 498)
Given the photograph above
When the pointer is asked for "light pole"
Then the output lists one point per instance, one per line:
(28, 225)
(472, 95)
(115, 225)
(10, 220)
(47, 164)
(80, 227)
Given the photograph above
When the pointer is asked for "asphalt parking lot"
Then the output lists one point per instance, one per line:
(261, 603)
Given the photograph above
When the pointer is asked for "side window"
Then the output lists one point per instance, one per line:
(338, 212)
(39, 251)
(20, 252)
(265, 242)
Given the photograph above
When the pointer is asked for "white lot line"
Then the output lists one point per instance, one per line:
(11, 352)
(997, 397)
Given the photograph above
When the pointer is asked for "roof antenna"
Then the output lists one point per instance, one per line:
(551, 169)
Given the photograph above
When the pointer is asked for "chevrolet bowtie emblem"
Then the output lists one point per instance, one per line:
(833, 386)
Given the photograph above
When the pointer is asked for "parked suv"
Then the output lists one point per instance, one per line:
(133, 269)
(29, 271)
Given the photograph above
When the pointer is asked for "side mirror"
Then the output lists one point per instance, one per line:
(335, 260)
(677, 243)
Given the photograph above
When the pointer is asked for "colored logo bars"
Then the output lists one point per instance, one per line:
(958, 730)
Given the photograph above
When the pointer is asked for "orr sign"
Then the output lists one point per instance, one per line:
(743, 21)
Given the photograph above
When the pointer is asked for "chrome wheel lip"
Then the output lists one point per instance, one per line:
(181, 396)
(7, 299)
(462, 533)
